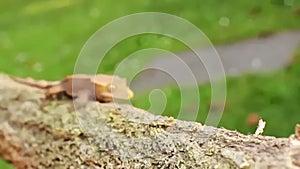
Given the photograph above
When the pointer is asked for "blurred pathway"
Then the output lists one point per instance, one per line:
(248, 56)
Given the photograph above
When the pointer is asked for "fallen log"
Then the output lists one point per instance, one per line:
(40, 133)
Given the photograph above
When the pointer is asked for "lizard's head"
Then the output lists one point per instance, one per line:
(111, 87)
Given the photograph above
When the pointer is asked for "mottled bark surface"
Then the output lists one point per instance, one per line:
(39, 133)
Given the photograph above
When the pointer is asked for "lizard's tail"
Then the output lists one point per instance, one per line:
(42, 84)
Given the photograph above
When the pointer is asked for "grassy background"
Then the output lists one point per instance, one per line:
(43, 38)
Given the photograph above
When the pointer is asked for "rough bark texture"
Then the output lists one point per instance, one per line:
(39, 133)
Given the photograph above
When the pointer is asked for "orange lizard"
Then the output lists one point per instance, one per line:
(103, 88)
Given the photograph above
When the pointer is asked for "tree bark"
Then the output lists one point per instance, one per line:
(40, 133)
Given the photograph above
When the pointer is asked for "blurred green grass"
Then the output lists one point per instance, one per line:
(42, 39)
(5, 165)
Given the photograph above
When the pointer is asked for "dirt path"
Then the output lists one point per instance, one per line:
(255, 55)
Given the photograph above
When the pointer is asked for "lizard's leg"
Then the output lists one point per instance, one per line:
(104, 99)
(83, 96)
(54, 90)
